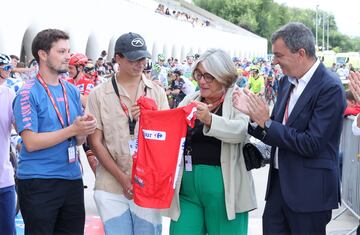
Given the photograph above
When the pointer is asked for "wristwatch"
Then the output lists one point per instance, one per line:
(267, 124)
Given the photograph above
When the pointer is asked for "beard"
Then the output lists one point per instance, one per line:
(59, 69)
(62, 71)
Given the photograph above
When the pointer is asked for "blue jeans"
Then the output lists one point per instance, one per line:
(121, 216)
(7, 210)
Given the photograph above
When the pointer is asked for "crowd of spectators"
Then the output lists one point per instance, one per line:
(182, 16)
(172, 74)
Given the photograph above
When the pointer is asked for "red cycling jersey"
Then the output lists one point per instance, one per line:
(84, 85)
(157, 162)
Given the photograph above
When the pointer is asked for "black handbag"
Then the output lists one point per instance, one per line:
(254, 159)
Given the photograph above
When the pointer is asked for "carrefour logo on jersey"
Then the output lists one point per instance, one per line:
(154, 135)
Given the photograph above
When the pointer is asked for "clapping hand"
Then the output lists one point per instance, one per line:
(258, 108)
(354, 85)
(85, 125)
(240, 101)
(252, 105)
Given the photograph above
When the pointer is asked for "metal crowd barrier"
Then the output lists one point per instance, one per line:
(350, 186)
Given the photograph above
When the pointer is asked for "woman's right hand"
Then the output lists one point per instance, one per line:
(203, 113)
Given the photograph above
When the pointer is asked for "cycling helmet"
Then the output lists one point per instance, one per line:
(88, 67)
(156, 67)
(239, 71)
(271, 74)
(4, 59)
(177, 71)
(189, 55)
(78, 59)
(161, 57)
(254, 68)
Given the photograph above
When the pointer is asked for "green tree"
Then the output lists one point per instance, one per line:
(263, 17)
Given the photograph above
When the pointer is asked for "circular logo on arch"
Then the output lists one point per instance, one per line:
(137, 42)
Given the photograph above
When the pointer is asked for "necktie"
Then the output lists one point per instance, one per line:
(286, 114)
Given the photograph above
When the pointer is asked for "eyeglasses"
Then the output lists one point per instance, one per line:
(6, 68)
(207, 77)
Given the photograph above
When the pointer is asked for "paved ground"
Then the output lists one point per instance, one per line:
(341, 226)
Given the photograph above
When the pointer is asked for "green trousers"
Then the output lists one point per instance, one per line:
(202, 205)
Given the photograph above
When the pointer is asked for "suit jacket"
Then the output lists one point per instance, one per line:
(308, 143)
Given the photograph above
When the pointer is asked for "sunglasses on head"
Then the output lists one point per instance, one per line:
(6, 68)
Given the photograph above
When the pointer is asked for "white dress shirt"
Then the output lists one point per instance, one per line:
(355, 128)
(300, 85)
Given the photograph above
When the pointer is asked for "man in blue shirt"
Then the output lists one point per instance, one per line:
(48, 117)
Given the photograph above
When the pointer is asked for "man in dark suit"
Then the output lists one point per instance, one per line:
(304, 131)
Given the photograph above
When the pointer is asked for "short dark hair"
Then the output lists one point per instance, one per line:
(296, 36)
(45, 39)
(14, 57)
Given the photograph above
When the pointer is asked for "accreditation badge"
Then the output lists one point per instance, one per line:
(188, 163)
(72, 153)
(133, 146)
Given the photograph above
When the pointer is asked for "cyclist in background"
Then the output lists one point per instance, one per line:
(7, 183)
(91, 73)
(256, 83)
(77, 64)
(77, 77)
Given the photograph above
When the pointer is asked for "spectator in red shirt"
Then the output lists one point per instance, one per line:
(353, 108)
